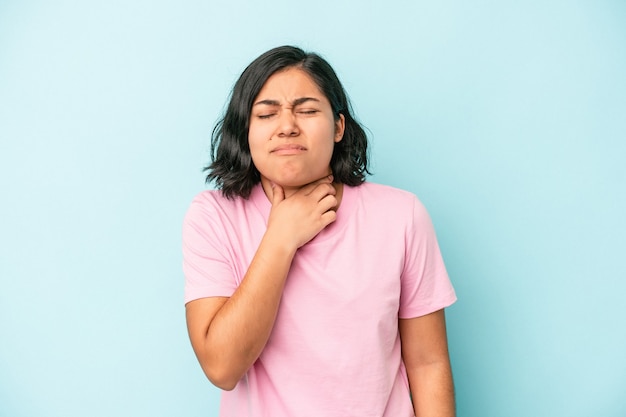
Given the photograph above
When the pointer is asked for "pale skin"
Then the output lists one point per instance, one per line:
(292, 134)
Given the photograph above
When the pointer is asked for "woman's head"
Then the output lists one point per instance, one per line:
(233, 169)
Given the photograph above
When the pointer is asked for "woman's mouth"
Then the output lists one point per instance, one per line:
(288, 149)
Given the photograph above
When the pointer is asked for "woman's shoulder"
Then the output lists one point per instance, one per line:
(381, 192)
(213, 203)
(208, 200)
(391, 200)
(209, 196)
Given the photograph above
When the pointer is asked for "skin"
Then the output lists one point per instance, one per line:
(292, 132)
(291, 136)
(426, 358)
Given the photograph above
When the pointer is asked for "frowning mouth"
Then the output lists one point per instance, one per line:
(288, 149)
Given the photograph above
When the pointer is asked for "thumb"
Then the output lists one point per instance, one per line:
(278, 194)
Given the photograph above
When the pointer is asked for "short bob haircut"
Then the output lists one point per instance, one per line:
(232, 168)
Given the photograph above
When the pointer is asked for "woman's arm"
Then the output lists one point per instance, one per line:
(425, 355)
(229, 334)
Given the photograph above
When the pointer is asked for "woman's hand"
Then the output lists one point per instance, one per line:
(297, 219)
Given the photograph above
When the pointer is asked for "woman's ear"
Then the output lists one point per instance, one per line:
(340, 127)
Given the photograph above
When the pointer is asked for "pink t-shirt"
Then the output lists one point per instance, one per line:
(335, 348)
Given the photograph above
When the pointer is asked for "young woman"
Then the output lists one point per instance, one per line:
(309, 291)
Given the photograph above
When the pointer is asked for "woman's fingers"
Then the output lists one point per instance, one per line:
(278, 194)
(309, 188)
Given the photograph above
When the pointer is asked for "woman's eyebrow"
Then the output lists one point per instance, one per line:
(296, 102)
(302, 100)
(267, 102)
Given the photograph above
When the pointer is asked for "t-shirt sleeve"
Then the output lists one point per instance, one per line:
(426, 286)
(206, 266)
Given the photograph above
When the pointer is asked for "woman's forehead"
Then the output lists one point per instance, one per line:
(289, 85)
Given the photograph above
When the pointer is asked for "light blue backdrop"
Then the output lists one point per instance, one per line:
(507, 119)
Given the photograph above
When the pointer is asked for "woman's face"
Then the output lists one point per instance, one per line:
(292, 130)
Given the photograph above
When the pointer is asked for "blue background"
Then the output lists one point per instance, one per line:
(508, 120)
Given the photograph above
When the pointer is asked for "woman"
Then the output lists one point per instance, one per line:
(309, 291)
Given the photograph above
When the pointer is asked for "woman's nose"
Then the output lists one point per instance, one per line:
(288, 124)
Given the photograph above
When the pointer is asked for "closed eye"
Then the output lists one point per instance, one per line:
(265, 116)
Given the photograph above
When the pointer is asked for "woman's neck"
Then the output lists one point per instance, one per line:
(289, 191)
